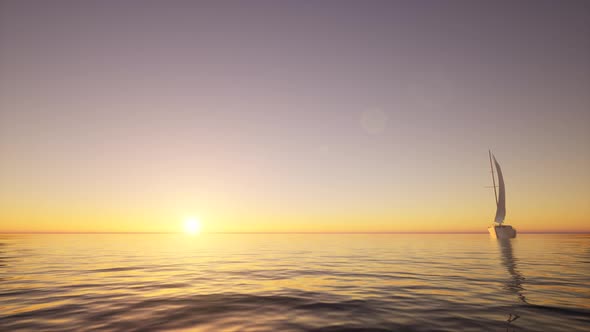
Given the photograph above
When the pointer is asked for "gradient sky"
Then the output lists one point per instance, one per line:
(293, 116)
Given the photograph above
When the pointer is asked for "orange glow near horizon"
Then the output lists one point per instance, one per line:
(465, 207)
(350, 223)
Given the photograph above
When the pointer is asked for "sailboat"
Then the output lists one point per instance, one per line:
(498, 229)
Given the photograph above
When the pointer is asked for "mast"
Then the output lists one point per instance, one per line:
(493, 177)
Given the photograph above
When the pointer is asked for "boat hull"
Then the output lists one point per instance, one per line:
(502, 231)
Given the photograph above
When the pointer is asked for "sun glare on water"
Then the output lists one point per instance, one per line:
(192, 226)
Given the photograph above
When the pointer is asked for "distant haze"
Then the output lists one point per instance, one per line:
(293, 115)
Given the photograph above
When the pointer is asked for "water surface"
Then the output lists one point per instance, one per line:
(294, 282)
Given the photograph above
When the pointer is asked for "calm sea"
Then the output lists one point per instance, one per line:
(291, 282)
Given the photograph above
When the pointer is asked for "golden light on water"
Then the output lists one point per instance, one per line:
(192, 226)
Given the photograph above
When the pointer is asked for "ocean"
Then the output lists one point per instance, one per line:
(294, 282)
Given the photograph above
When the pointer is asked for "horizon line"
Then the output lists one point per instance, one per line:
(294, 232)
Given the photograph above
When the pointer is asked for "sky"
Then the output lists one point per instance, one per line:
(293, 116)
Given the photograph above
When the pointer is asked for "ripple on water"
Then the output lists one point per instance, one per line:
(163, 283)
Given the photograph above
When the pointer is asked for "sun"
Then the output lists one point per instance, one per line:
(192, 226)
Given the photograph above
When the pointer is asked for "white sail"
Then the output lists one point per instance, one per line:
(501, 203)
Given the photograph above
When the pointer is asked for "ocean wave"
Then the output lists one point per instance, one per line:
(244, 312)
(91, 287)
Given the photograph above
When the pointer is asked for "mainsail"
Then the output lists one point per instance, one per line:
(501, 203)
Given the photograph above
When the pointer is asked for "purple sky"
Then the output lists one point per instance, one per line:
(355, 113)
